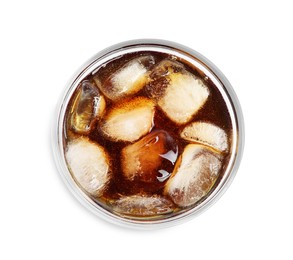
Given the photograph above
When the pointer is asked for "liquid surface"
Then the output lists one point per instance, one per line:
(155, 124)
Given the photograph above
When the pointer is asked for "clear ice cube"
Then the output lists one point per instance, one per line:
(128, 121)
(129, 79)
(88, 104)
(177, 92)
(207, 134)
(194, 175)
(143, 159)
(89, 165)
(143, 205)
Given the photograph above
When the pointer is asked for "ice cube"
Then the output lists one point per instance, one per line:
(89, 165)
(142, 160)
(129, 120)
(143, 205)
(177, 92)
(194, 175)
(87, 105)
(207, 134)
(129, 79)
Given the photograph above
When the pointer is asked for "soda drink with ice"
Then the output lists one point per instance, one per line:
(148, 135)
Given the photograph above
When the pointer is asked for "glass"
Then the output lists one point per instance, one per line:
(208, 72)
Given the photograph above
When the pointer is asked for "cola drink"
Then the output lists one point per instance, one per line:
(149, 135)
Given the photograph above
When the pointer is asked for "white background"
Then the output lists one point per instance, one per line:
(44, 43)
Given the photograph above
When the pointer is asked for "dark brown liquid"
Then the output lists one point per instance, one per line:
(214, 111)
